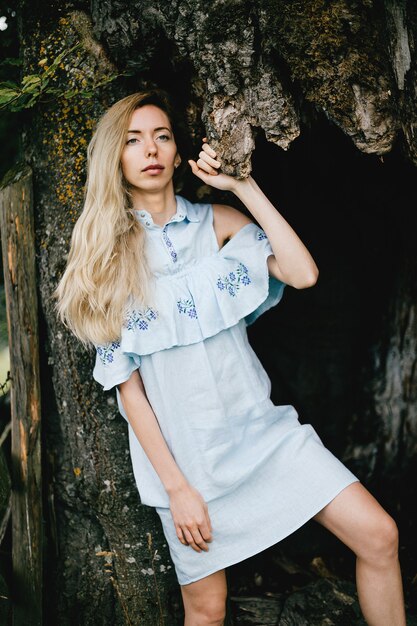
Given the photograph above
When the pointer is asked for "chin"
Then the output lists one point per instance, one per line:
(152, 184)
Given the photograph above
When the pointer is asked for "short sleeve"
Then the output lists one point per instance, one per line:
(113, 366)
(276, 287)
(214, 293)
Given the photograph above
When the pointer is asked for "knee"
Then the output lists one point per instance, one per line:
(387, 537)
(209, 612)
(213, 613)
(381, 541)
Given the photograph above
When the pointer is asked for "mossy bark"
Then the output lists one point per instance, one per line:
(107, 559)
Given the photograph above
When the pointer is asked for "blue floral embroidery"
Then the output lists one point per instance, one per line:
(187, 306)
(140, 319)
(233, 280)
(261, 235)
(169, 245)
(105, 352)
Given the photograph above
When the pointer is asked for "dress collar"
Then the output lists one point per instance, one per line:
(185, 210)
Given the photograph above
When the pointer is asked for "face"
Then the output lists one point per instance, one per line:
(149, 142)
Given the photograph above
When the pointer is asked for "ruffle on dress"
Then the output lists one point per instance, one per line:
(212, 294)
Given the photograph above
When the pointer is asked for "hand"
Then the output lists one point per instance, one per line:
(207, 168)
(191, 518)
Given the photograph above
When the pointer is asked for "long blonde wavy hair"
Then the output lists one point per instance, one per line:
(106, 262)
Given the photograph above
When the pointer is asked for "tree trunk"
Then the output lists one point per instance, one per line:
(334, 83)
(107, 556)
(16, 221)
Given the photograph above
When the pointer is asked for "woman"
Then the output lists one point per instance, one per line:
(164, 289)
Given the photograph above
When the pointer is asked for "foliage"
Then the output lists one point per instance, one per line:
(10, 123)
(36, 87)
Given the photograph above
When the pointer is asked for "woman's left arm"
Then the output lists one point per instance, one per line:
(292, 263)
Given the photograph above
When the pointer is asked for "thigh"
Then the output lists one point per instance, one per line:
(356, 518)
(211, 589)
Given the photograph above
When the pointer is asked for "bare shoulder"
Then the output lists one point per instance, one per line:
(227, 222)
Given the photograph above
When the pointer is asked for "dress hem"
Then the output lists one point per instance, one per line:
(230, 562)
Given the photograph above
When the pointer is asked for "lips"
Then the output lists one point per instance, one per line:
(154, 166)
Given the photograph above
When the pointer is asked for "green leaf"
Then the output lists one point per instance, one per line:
(30, 103)
(7, 95)
(70, 93)
(9, 84)
(31, 79)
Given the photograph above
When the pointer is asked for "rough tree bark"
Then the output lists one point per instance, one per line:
(244, 68)
(16, 223)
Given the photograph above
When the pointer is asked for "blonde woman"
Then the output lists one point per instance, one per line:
(164, 289)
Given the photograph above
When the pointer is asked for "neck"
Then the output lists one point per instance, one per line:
(160, 202)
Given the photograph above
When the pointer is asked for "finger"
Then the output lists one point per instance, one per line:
(207, 521)
(180, 535)
(209, 150)
(201, 174)
(210, 527)
(185, 541)
(205, 156)
(198, 539)
(197, 171)
(206, 167)
(205, 531)
(188, 536)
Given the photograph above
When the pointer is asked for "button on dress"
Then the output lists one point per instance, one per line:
(262, 473)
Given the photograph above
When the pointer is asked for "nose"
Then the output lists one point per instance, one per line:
(151, 148)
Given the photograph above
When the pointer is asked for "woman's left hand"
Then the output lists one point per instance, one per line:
(207, 168)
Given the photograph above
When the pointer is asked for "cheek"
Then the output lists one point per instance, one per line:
(173, 154)
(125, 163)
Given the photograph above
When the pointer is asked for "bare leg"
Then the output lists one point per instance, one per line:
(356, 518)
(205, 600)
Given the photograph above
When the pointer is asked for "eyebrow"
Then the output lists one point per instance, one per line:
(155, 129)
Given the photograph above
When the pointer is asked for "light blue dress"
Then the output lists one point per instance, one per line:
(261, 472)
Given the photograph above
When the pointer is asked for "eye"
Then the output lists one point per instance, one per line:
(164, 137)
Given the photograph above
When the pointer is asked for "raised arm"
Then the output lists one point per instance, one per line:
(188, 509)
(291, 262)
